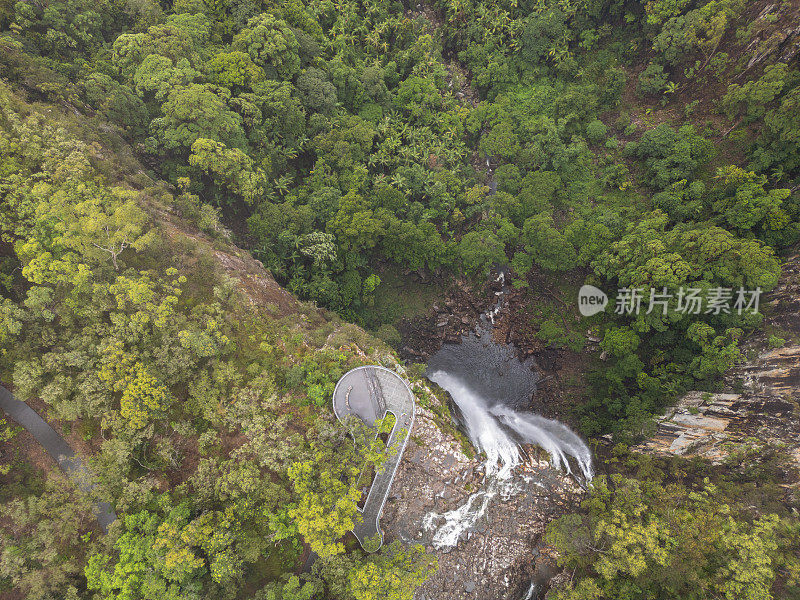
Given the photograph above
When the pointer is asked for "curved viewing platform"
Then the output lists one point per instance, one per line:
(370, 393)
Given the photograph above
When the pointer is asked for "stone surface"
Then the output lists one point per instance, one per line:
(496, 558)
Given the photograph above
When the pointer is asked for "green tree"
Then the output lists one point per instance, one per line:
(745, 205)
(545, 245)
(156, 76)
(754, 97)
(142, 398)
(671, 155)
(701, 29)
(638, 538)
(318, 93)
(478, 250)
(44, 538)
(81, 224)
(229, 168)
(235, 70)
(653, 80)
(194, 112)
(393, 574)
(271, 44)
(358, 224)
(326, 507)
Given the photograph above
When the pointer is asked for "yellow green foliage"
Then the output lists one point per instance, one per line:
(637, 538)
(142, 398)
(326, 509)
(394, 574)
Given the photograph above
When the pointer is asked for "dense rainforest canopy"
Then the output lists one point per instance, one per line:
(636, 144)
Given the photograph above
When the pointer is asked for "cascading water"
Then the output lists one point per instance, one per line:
(483, 428)
(531, 591)
(490, 386)
(554, 437)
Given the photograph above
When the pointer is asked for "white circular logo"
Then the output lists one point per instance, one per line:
(591, 300)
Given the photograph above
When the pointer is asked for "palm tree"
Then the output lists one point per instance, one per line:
(282, 184)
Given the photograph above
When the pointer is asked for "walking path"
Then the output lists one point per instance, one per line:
(370, 393)
(57, 448)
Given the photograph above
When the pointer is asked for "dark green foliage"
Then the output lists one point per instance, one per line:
(779, 147)
(596, 131)
(319, 94)
(543, 32)
(671, 155)
(756, 96)
(653, 80)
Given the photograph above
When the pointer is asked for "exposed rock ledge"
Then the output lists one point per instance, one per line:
(707, 425)
(495, 560)
(760, 397)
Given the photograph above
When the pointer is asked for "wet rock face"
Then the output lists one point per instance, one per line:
(455, 316)
(463, 312)
(761, 397)
(495, 559)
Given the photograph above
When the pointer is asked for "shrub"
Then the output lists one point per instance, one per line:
(653, 80)
(596, 131)
(775, 342)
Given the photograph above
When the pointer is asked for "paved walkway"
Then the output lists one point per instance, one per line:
(56, 447)
(370, 393)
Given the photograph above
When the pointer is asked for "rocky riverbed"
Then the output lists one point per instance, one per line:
(459, 313)
(497, 558)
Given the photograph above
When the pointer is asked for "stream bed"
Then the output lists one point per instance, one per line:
(491, 389)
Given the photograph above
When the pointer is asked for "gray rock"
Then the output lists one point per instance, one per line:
(493, 555)
(761, 398)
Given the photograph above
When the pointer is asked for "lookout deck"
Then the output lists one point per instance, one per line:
(370, 393)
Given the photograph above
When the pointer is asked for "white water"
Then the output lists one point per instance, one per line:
(483, 428)
(502, 455)
(501, 278)
(556, 438)
(531, 591)
(497, 432)
(470, 372)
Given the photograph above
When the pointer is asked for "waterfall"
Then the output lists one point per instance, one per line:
(497, 432)
(483, 428)
(560, 442)
(531, 591)
(489, 383)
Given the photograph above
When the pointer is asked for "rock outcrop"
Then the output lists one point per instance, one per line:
(761, 397)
